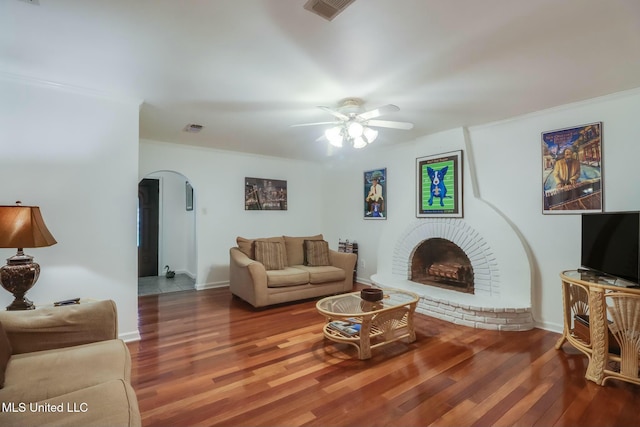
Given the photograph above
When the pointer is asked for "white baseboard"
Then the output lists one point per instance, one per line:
(212, 285)
(363, 280)
(547, 326)
(130, 336)
(188, 273)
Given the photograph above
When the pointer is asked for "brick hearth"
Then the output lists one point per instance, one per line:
(487, 309)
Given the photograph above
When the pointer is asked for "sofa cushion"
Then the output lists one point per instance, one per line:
(323, 274)
(295, 248)
(5, 353)
(289, 276)
(316, 253)
(270, 254)
(40, 375)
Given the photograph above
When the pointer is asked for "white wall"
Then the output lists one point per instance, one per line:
(508, 168)
(509, 165)
(74, 154)
(498, 240)
(218, 180)
(177, 225)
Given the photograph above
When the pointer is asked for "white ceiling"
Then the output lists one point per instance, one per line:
(248, 69)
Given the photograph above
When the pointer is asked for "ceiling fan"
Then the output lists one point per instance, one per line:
(354, 125)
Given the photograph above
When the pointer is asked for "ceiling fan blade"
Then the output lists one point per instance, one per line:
(372, 114)
(333, 112)
(390, 124)
(314, 124)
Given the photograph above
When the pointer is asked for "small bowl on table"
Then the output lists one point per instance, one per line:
(371, 294)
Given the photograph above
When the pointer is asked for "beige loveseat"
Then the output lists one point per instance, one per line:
(282, 269)
(65, 367)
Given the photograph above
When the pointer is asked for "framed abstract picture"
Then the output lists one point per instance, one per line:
(375, 194)
(572, 170)
(439, 185)
(261, 194)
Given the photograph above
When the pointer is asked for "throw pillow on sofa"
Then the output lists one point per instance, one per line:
(270, 254)
(295, 248)
(316, 253)
(247, 246)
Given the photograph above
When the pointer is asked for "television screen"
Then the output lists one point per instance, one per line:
(610, 243)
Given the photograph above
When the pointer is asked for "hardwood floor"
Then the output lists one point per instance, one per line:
(208, 359)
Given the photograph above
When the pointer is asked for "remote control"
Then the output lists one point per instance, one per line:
(67, 302)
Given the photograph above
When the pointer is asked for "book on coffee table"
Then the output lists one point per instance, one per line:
(344, 327)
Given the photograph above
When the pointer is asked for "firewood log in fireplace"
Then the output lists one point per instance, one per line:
(455, 272)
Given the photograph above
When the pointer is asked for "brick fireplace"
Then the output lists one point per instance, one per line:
(455, 271)
(501, 262)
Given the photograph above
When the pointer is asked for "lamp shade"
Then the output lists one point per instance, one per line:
(23, 227)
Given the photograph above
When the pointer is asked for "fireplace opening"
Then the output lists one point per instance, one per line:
(442, 263)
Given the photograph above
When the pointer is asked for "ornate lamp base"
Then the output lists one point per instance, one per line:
(17, 277)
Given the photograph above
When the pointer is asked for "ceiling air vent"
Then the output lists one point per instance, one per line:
(328, 9)
(193, 128)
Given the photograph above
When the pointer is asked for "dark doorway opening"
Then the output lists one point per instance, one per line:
(148, 226)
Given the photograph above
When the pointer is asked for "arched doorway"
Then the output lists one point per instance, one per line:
(166, 234)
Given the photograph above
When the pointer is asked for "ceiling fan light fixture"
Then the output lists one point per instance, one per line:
(355, 129)
(370, 134)
(334, 135)
(359, 142)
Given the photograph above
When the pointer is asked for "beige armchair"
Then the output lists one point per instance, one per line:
(65, 366)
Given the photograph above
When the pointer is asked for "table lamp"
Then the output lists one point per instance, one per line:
(21, 227)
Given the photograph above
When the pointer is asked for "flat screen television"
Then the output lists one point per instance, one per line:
(610, 244)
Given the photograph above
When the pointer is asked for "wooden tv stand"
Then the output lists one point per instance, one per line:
(610, 337)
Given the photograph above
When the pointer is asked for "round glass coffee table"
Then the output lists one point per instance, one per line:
(368, 325)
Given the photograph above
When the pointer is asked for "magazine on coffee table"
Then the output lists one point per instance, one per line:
(345, 327)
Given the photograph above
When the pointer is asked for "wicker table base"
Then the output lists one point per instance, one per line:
(381, 322)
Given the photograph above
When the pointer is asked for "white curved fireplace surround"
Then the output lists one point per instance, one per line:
(502, 279)
(501, 265)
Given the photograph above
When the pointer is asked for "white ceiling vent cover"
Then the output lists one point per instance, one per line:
(328, 9)
(193, 128)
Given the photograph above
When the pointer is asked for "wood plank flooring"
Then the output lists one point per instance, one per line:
(209, 359)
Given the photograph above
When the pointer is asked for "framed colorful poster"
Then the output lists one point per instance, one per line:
(375, 194)
(261, 194)
(439, 186)
(572, 170)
